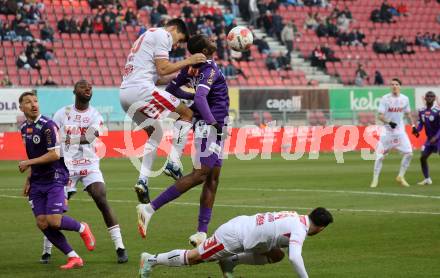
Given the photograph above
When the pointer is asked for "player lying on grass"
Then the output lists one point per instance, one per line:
(429, 118)
(47, 177)
(211, 109)
(253, 240)
(147, 65)
(80, 124)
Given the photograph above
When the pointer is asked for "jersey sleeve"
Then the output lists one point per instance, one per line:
(174, 86)
(50, 133)
(58, 117)
(382, 106)
(163, 45)
(407, 107)
(296, 241)
(419, 121)
(207, 78)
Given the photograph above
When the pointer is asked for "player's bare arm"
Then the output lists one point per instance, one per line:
(27, 185)
(165, 67)
(51, 156)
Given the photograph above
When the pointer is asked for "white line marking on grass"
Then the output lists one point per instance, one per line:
(259, 206)
(372, 193)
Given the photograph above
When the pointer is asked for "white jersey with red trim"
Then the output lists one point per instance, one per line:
(264, 231)
(140, 69)
(74, 123)
(393, 108)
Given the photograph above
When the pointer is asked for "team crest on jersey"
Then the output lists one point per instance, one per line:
(38, 126)
(36, 139)
(431, 118)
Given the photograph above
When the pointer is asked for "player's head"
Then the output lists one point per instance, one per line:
(319, 218)
(82, 91)
(430, 98)
(28, 102)
(395, 85)
(201, 44)
(178, 30)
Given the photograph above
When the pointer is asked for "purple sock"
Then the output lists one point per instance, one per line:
(165, 197)
(58, 239)
(69, 224)
(204, 219)
(425, 170)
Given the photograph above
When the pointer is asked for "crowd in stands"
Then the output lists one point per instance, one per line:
(387, 11)
(431, 41)
(397, 45)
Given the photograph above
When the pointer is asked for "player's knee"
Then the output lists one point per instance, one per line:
(186, 114)
(53, 222)
(275, 255)
(42, 222)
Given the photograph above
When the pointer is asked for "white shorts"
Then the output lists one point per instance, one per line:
(224, 243)
(143, 103)
(86, 177)
(398, 141)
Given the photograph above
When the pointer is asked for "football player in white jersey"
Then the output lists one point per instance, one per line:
(254, 240)
(148, 66)
(80, 124)
(392, 108)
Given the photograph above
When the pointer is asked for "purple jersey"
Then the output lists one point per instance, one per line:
(210, 84)
(39, 137)
(430, 119)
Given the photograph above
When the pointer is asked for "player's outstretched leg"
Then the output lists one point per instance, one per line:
(47, 251)
(174, 166)
(425, 168)
(174, 258)
(207, 199)
(377, 169)
(98, 193)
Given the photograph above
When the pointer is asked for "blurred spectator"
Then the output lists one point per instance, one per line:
(381, 47)
(272, 62)
(130, 17)
(329, 53)
(177, 54)
(64, 25)
(109, 25)
(288, 36)
(74, 26)
(33, 62)
(360, 76)
(187, 10)
(143, 3)
(155, 17)
(50, 82)
(4, 81)
(228, 17)
(222, 48)
(284, 61)
(39, 81)
(378, 78)
(22, 61)
(160, 7)
(262, 45)
(8, 6)
(318, 58)
(402, 9)
(47, 32)
(311, 21)
(98, 25)
(87, 25)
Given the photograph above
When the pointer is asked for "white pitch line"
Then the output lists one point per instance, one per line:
(261, 207)
(372, 193)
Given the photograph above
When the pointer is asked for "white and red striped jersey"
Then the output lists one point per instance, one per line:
(140, 69)
(393, 108)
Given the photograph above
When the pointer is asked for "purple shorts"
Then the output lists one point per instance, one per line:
(429, 149)
(209, 157)
(47, 199)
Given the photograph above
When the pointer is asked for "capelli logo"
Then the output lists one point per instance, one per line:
(292, 104)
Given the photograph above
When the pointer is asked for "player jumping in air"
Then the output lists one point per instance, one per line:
(147, 66)
(251, 240)
(391, 109)
(80, 124)
(47, 177)
(211, 110)
(429, 118)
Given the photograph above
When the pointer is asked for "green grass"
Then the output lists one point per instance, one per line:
(373, 235)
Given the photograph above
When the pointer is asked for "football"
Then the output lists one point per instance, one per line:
(240, 38)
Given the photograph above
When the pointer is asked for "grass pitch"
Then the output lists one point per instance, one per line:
(389, 231)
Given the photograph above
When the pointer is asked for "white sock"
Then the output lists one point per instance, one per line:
(378, 166)
(149, 208)
(172, 258)
(180, 136)
(82, 228)
(115, 234)
(72, 254)
(47, 246)
(406, 160)
(250, 258)
(150, 151)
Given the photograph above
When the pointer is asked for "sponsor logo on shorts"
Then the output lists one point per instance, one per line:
(58, 204)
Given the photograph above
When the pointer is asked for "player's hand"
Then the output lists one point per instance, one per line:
(23, 165)
(26, 188)
(392, 125)
(197, 58)
(415, 132)
(219, 130)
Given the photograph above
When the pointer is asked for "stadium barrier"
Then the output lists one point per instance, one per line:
(245, 143)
